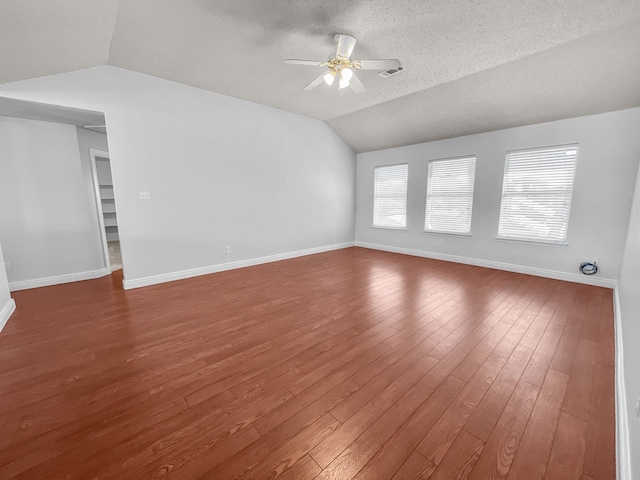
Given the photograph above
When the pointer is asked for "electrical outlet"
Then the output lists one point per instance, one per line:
(145, 196)
(227, 249)
(441, 241)
(8, 266)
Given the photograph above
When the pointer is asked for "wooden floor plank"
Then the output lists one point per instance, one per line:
(415, 467)
(254, 453)
(439, 439)
(577, 401)
(311, 394)
(283, 457)
(327, 451)
(460, 459)
(467, 368)
(487, 413)
(600, 447)
(606, 337)
(538, 366)
(395, 451)
(451, 360)
(303, 469)
(501, 447)
(415, 362)
(198, 436)
(567, 454)
(566, 350)
(530, 460)
(311, 367)
(591, 324)
(351, 460)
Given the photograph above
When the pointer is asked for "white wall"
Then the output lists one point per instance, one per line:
(7, 305)
(220, 172)
(606, 168)
(629, 324)
(47, 211)
(88, 139)
(5, 296)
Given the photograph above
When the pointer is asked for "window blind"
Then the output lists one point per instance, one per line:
(536, 195)
(390, 196)
(450, 195)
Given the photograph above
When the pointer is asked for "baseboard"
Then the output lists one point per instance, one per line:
(194, 272)
(623, 452)
(58, 279)
(538, 272)
(6, 312)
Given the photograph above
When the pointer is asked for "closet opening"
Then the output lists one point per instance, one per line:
(106, 206)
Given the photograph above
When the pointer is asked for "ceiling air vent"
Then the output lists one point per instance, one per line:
(391, 71)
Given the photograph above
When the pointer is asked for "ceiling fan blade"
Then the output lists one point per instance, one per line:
(356, 84)
(387, 64)
(314, 84)
(345, 45)
(312, 63)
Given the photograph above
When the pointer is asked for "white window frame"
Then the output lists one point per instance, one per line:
(431, 196)
(516, 180)
(378, 195)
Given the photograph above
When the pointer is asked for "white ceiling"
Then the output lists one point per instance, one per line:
(470, 65)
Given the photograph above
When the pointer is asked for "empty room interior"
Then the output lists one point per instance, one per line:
(320, 239)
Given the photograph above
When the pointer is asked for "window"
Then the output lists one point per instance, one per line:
(536, 195)
(450, 195)
(390, 196)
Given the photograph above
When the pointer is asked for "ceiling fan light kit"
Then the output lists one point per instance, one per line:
(343, 65)
(329, 77)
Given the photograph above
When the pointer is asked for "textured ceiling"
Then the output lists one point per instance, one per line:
(470, 66)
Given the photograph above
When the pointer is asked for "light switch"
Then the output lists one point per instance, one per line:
(145, 196)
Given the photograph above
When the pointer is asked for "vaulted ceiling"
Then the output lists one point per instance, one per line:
(470, 66)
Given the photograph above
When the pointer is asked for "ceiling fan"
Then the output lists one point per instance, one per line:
(343, 67)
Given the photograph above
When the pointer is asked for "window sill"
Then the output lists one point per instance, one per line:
(401, 229)
(534, 241)
(453, 234)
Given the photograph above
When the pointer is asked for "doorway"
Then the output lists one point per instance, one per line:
(106, 206)
(74, 246)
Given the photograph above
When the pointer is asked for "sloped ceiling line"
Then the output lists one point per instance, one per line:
(113, 30)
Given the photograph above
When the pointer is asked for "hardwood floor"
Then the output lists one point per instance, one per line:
(349, 364)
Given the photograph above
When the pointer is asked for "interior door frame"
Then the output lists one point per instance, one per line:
(93, 153)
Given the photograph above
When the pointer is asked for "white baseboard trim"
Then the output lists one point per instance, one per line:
(623, 452)
(6, 312)
(538, 272)
(194, 272)
(66, 278)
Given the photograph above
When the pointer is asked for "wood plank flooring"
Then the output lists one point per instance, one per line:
(353, 364)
